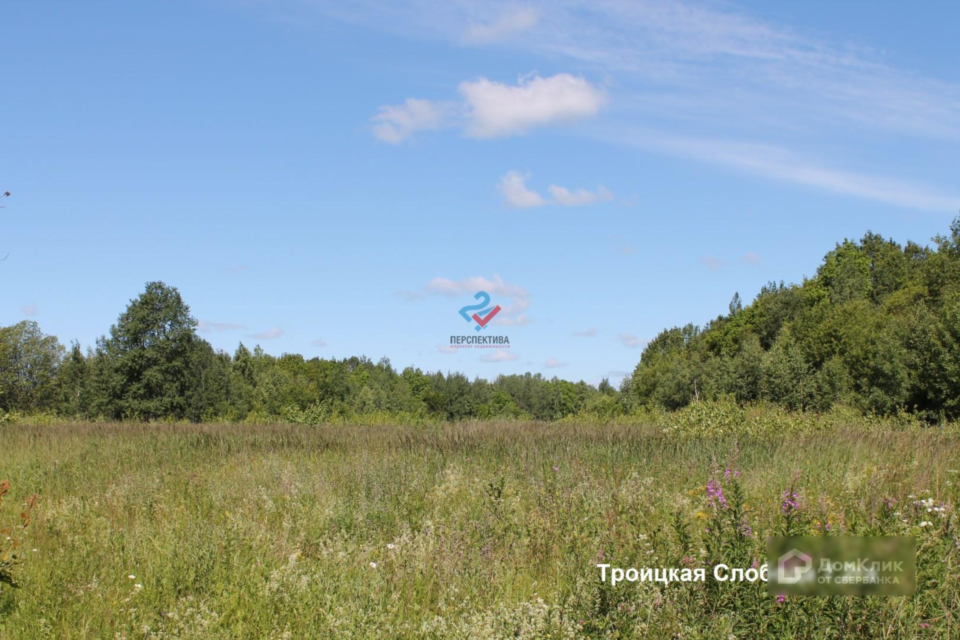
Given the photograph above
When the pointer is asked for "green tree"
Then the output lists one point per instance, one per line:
(787, 376)
(74, 376)
(29, 360)
(150, 357)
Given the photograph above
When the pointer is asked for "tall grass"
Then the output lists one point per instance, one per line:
(487, 529)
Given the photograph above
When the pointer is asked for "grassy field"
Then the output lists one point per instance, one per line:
(486, 530)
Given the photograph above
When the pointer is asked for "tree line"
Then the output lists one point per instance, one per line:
(877, 328)
(153, 365)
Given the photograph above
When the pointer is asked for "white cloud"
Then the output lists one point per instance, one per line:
(589, 333)
(751, 258)
(553, 363)
(511, 21)
(496, 110)
(269, 334)
(627, 250)
(445, 348)
(396, 123)
(516, 194)
(498, 356)
(812, 94)
(512, 313)
(318, 343)
(492, 109)
(30, 310)
(580, 197)
(630, 340)
(206, 327)
(513, 188)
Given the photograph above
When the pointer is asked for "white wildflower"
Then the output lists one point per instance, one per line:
(373, 565)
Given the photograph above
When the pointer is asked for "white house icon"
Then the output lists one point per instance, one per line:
(792, 565)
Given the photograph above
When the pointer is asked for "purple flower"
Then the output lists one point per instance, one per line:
(715, 495)
(781, 598)
(791, 502)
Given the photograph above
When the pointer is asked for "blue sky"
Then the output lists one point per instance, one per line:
(338, 179)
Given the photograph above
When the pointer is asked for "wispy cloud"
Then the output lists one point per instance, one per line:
(513, 313)
(445, 348)
(787, 166)
(714, 264)
(30, 310)
(318, 343)
(510, 22)
(513, 188)
(578, 197)
(410, 296)
(516, 194)
(589, 333)
(396, 123)
(498, 356)
(799, 93)
(269, 334)
(678, 45)
(630, 340)
(751, 258)
(553, 363)
(208, 327)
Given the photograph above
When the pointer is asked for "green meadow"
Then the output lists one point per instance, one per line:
(463, 530)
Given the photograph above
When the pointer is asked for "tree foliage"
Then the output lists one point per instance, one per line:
(876, 327)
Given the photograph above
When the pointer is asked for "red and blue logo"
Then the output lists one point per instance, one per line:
(482, 313)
